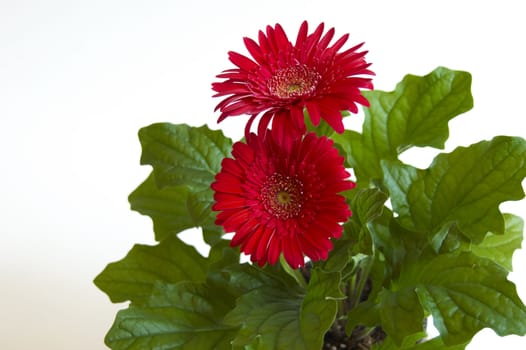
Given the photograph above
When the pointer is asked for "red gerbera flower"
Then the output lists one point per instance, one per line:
(281, 196)
(283, 79)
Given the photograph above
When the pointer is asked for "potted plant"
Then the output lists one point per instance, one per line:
(349, 247)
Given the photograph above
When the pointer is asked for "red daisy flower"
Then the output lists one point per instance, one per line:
(281, 196)
(284, 79)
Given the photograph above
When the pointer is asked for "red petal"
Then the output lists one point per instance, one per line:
(243, 153)
(292, 252)
(238, 107)
(241, 61)
(254, 49)
(302, 35)
(227, 183)
(274, 250)
(324, 42)
(265, 121)
(272, 40)
(338, 44)
(228, 201)
(314, 112)
(263, 43)
(262, 249)
(236, 220)
(334, 119)
(282, 41)
(227, 88)
(240, 236)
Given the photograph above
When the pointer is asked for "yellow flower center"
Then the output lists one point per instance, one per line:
(294, 81)
(282, 196)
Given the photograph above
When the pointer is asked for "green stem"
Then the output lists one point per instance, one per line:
(350, 293)
(365, 270)
(294, 273)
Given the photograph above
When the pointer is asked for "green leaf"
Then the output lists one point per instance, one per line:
(133, 277)
(359, 156)
(212, 234)
(437, 344)
(409, 343)
(416, 113)
(319, 307)
(500, 248)
(398, 179)
(432, 344)
(222, 254)
(240, 279)
(396, 244)
(183, 155)
(466, 293)
(339, 257)
(269, 317)
(364, 314)
(182, 316)
(289, 319)
(368, 204)
(401, 314)
(464, 187)
(171, 208)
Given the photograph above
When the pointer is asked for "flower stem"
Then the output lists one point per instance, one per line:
(294, 273)
(361, 276)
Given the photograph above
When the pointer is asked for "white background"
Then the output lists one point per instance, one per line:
(79, 78)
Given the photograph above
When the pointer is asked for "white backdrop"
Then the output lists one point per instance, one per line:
(79, 78)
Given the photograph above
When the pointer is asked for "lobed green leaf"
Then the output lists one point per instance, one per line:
(401, 314)
(500, 248)
(466, 293)
(183, 155)
(289, 319)
(464, 187)
(416, 113)
(182, 316)
(171, 208)
(134, 277)
(274, 326)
